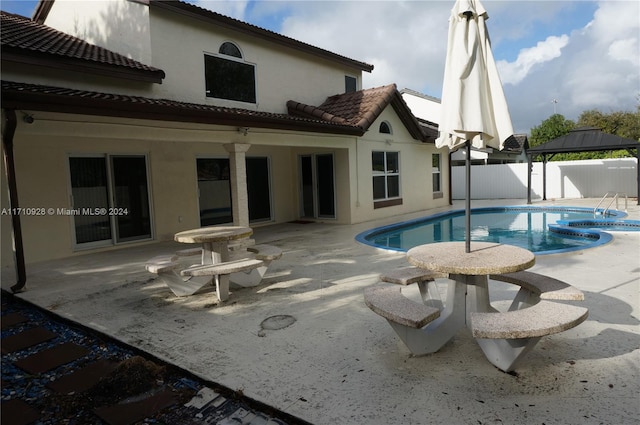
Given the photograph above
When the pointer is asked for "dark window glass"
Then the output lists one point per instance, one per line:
(230, 79)
(230, 49)
(385, 128)
(349, 84)
(377, 162)
(393, 186)
(392, 162)
(214, 189)
(379, 189)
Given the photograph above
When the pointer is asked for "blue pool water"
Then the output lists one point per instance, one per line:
(542, 230)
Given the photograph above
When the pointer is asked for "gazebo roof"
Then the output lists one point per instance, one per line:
(584, 139)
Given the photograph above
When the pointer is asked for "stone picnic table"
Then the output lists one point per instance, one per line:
(505, 337)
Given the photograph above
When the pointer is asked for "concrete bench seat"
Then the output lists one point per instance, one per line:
(423, 278)
(262, 252)
(506, 337)
(227, 267)
(544, 318)
(409, 275)
(388, 302)
(535, 287)
(265, 252)
(423, 329)
(162, 263)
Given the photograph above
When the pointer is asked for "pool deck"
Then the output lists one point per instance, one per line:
(341, 363)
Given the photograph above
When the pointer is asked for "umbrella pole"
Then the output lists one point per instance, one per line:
(467, 207)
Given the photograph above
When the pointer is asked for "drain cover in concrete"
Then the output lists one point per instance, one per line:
(275, 323)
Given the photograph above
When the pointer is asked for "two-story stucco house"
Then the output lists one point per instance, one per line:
(167, 117)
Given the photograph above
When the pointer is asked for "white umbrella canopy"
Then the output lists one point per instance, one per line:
(474, 110)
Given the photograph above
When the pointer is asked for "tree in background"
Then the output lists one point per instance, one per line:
(620, 123)
(554, 126)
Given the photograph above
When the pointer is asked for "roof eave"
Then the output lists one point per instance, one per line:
(233, 24)
(42, 11)
(110, 108)
(18, 56)
(409, 120)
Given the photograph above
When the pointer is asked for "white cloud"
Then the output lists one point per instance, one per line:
(405, 41)
(623, 50)
(544, 51)
(598, 69)
(235, 8)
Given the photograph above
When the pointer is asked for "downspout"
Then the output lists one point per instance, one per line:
(7, 146)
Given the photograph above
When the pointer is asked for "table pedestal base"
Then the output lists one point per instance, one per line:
(505, 354)
(437, 333)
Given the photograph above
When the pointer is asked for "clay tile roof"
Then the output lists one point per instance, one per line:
(58, 99)
(362, 108)
(25, 40)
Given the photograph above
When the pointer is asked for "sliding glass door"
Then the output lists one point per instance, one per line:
(317, 186)
(109, 199)
(214, 190)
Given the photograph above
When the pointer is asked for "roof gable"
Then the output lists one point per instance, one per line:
(362, 108)
(26, 41)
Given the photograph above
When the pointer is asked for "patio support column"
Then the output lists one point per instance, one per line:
(529, 171)
(239, 194)
(544, 177)
(638, 175)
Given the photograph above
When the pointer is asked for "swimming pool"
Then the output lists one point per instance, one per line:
(542, 230)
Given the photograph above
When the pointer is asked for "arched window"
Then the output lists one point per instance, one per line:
(385, 127)
(230, 49)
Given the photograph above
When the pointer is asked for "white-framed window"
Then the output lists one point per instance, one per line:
(386, 175)
(228, 76)
(436, 173)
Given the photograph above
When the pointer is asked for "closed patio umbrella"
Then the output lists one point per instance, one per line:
(473, 108)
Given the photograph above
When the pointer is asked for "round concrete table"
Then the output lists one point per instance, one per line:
(485, 258)
(215, 240)
(468, 288)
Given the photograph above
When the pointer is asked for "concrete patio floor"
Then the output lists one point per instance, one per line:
(339, 363)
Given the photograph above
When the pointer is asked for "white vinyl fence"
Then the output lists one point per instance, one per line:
(565, 179)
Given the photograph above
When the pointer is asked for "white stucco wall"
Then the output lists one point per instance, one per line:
(118, 25)
(415, 171)
(423, 107)
(179, 45)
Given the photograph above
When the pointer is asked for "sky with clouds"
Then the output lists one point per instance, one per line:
(552, 56)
